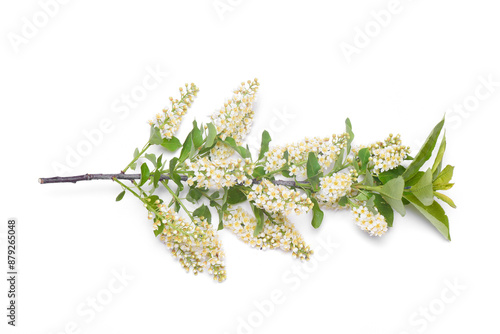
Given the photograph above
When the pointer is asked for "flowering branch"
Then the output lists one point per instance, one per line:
(89, 177)
(213, 167)
(122, 176)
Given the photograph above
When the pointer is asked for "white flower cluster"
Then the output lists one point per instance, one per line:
(221, 151)
(220, 173)
(195, 244)
(170, 120)
(332, 188)
(235, 118)
(327, 150)
(388, 154)
(281, 234)
(374, 224)
(279, 199)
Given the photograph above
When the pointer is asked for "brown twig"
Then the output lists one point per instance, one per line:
(121, 176)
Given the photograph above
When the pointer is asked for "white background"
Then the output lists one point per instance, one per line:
(70, 74)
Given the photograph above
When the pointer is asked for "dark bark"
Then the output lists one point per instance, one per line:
(121, 176)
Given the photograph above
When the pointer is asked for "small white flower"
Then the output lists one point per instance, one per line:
(374, 224)
(282, 235)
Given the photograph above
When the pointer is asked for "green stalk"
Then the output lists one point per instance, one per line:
(178, 200)
(145, 148)
(150, 208)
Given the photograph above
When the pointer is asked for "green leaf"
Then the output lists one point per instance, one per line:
(155, 136)
(425, 152)
(156, 178)
(313, 169)
(264, 146)
(243, 152)
(221, 219)
(270, 217)
(224, 199)
(186, 148)
(193, 195)
(317, 214)
(445, 176)
(286, 166)
(363, 196)
(120, 196)
(172, 144)
(286, 157)
(414, 180)
(423, 189)
(177, 179)
(364, 156)
(440, 186)
(197, 136)
(153, 199)
(313, 166)
(394, 188)
(172, 165)
(235, 196)
(136, 153)
(231, 142)
(222, 209)
(212, 133)
(144, 173)
(369, 179)
(434, 213)
(391, 174)
(392, 192)
(314, 182)
(370, 204)
(193, 151)
(343, 201)
(215, 195)
(339, 161)
(152, 158)
(348, 127)
(445, 199)
(159, 162)
(384, 208)
(176, 204)
(159, 230)
(259, 217)
(203, 211)
(258, 172)
(436, 167)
